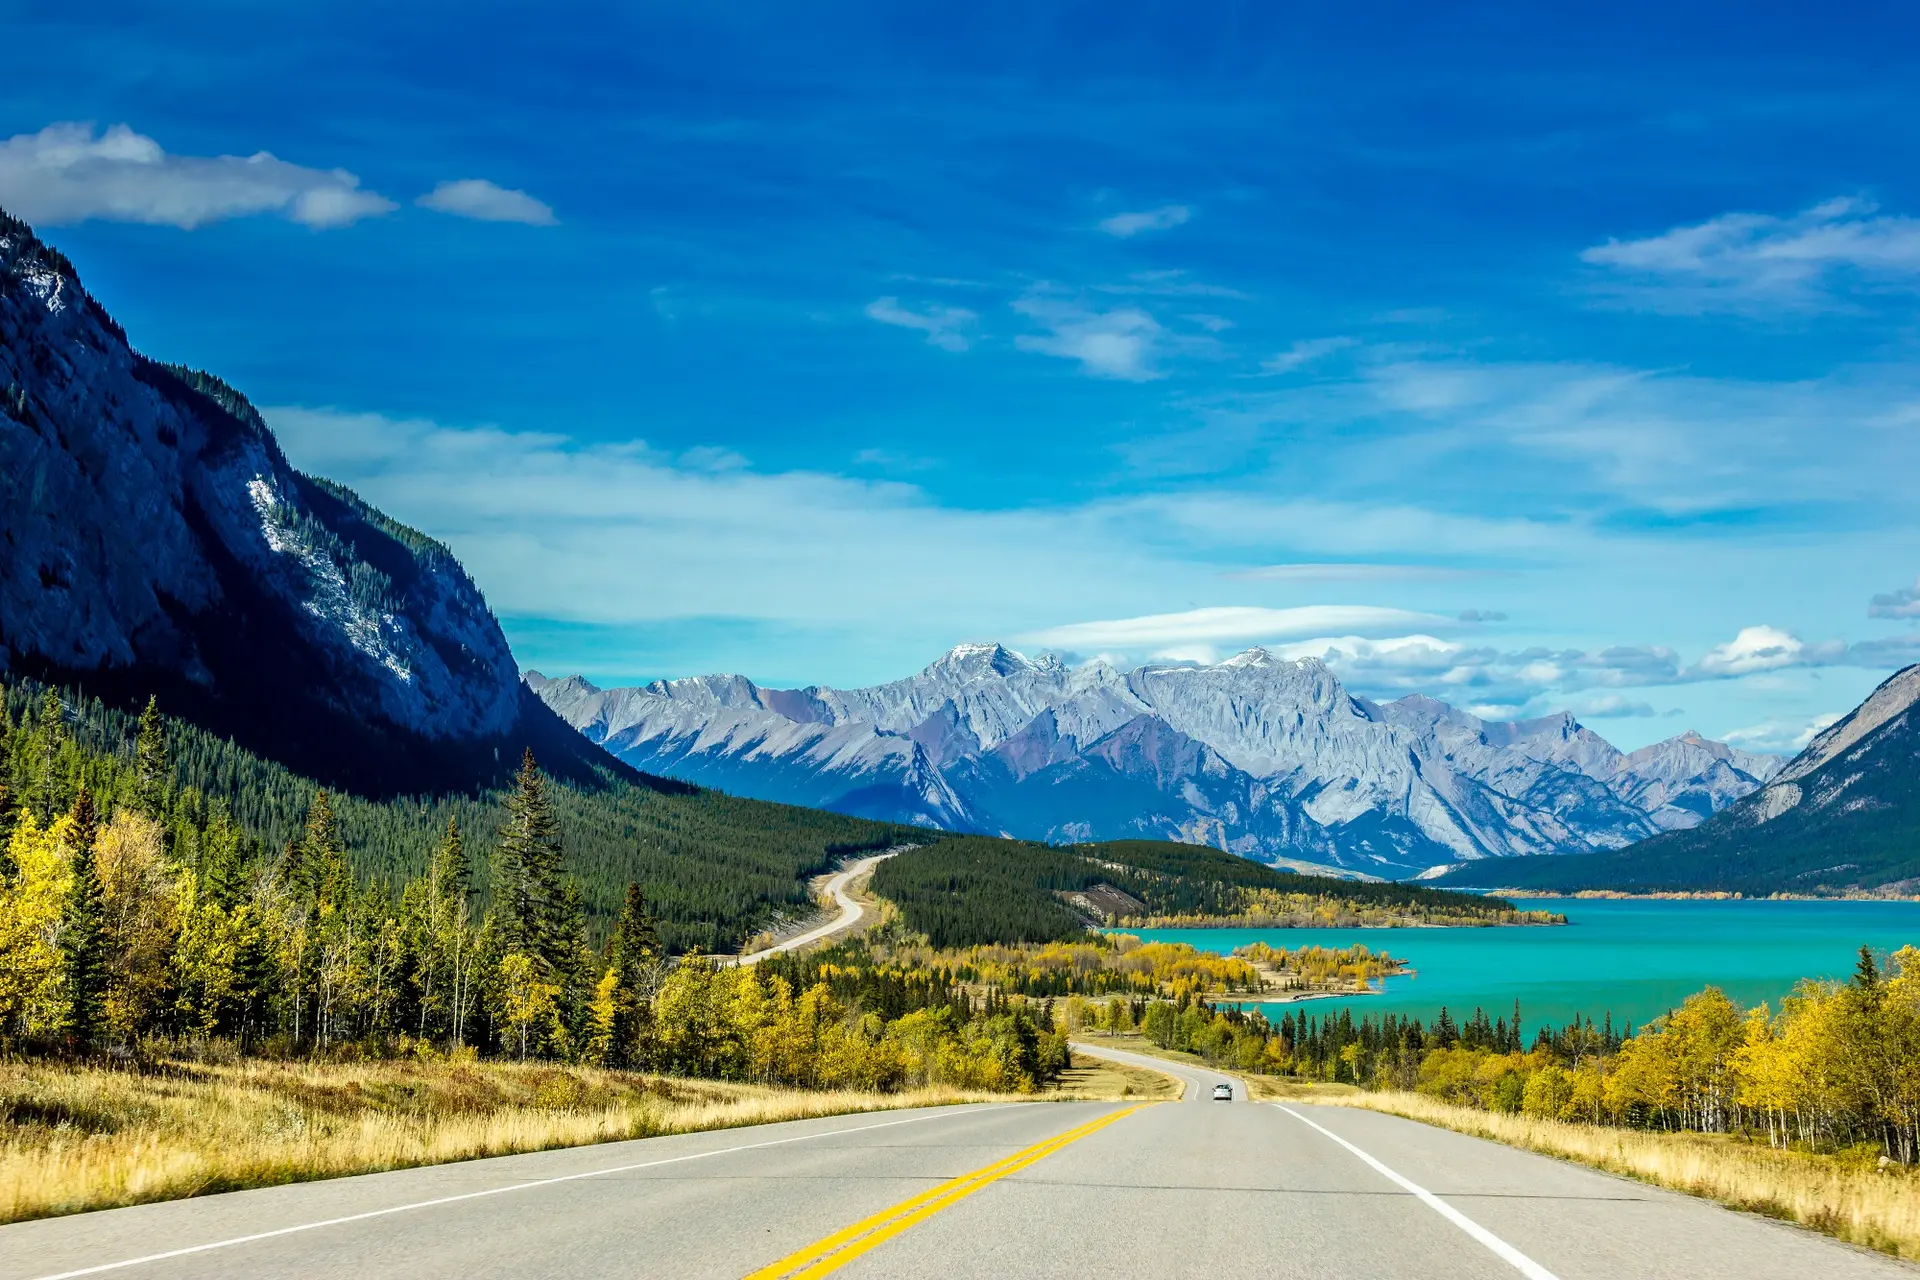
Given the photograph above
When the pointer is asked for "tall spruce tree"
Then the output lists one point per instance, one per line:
(6, 791)
(636, 936)
(526, 870)
(49, 737)
(83, 938)
(150, 764)
(633, 959)
(449, 870)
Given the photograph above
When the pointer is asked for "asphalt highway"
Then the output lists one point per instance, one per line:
(850, 910)
(1170, 1189)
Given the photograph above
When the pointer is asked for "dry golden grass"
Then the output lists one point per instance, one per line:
(1286, 1089)
(1097, 1078)
(73, 1139)
(1853, 1200)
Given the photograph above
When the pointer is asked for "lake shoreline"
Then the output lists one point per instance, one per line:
(1632, 958)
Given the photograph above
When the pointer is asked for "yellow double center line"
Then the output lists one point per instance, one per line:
(843, 1246)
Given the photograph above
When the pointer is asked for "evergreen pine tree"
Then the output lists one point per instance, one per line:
(6, 791)
(83, 942)
(49, 736)
(449, 869)
(223, 860)
(323, 855)
(150, 765)
(636, 938)
(1866, 974)
(526, 880)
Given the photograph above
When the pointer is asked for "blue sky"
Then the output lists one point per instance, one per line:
(1527, 360)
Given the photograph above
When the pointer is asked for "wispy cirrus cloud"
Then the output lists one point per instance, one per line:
(482, 200)
(1125, 343)
(1128, 225)
(66, 173)
(1211, 628)
(1305, 352)
(945, 327)
(1739, 260)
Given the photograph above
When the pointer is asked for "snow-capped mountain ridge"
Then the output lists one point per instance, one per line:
(1267, 756)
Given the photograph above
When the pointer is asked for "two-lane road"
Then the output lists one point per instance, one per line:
(1188, 1188)
(835, 889)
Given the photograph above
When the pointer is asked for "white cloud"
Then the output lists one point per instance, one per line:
(1166, 217)
(1903, 603)
(1305, 352)
(944, 326)
(1196, 632)
(1123, 343)
(1753, 649)
(1781, 737)
(477, 198)
(1742, 259)
(66, 174)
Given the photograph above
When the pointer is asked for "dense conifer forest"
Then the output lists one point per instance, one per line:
(713, 866)
(965, 891)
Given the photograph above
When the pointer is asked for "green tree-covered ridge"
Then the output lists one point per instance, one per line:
(964, 891)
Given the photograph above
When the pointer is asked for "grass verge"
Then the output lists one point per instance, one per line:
(1098, 1078)
(1852, 1199)
(80, 1138)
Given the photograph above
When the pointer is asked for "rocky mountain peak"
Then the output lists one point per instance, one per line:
(157, 540)
(972, 659)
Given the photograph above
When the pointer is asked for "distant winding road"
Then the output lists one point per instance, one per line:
(850, 911)
(994, 1192)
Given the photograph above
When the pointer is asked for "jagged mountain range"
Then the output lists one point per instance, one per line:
(1266, 757)
(1843, 816)
(156, 540)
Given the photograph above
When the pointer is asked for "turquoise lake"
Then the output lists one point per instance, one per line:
(1633, 959)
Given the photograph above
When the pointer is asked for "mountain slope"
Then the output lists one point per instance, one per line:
(1842, 816)
(157, 541)
(1261, 756)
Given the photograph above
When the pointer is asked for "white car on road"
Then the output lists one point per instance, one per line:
(1223, 1093)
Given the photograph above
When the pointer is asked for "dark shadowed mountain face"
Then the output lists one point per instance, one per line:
(1258, 755)
(1842, 816)
(156, 540)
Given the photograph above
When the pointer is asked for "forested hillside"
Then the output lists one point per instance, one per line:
(968, 890)
(713, 866)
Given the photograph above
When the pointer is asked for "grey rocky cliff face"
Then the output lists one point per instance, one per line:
(1270, 758)
(154, 530)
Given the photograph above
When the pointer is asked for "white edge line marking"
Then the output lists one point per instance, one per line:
(496, 1191)
(1507, 1253)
